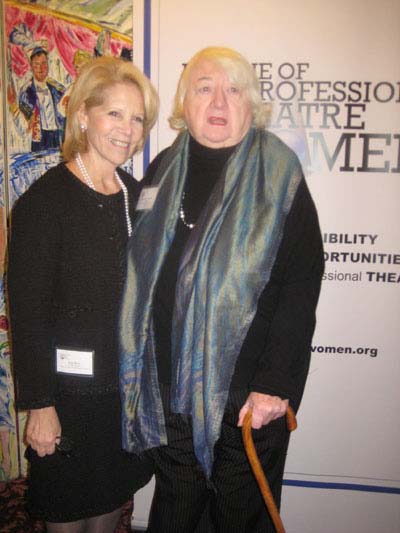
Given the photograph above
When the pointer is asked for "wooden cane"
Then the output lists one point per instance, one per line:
(257, 468)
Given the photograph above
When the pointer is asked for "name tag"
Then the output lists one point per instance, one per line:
(147, 198)
(74, 362)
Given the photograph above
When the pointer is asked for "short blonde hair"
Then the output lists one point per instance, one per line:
(239, 71)
(95, 78)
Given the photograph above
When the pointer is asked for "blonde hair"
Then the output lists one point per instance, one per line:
(239, 72)
(95, 78)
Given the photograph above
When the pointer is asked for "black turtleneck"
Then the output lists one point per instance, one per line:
(205, 167)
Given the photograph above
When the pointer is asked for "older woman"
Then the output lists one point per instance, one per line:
(65, 278)
(218, 312)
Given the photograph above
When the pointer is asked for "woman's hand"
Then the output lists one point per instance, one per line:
(265, 409)
(43, 430)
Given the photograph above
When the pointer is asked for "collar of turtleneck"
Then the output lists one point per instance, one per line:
(205, 166)
(212, 156)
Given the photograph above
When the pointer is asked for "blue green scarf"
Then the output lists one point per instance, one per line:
(225, 266)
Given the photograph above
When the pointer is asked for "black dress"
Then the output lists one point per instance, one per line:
(65, 277)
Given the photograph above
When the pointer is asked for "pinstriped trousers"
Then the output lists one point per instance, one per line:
(186, 502)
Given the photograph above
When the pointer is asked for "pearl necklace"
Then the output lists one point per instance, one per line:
(189, 225)
(90, 184)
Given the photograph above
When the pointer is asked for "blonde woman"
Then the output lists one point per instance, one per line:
(65, 279)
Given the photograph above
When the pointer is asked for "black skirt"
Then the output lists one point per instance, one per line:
(93, 475)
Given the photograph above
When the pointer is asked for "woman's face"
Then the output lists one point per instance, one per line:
(217, 113)
(115, 127)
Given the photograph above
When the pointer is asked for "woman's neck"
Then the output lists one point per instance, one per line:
(104, 182)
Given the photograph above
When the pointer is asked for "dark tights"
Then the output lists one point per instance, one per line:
(105, 523)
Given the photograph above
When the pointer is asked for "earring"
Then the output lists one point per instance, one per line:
(83, 127)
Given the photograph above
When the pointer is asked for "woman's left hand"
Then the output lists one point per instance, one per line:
(265, 409)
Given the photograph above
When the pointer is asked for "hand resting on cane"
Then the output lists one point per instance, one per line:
(265, 409)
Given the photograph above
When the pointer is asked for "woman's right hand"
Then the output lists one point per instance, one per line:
(43, 430)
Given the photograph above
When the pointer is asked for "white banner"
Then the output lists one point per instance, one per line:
(332, 71)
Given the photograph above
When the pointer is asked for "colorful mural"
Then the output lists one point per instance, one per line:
(47, 43)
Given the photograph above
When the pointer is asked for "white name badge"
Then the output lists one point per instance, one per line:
(147, 198)
(74, 362)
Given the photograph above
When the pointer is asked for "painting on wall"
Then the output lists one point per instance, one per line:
(47, 43)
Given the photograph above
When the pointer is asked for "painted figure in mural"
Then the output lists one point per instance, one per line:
(38, 102)
(102, 47)
(65, 278)
(80, 59)
(218, 311)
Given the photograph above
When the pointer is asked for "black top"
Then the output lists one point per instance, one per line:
(275, 355)
(65, 278)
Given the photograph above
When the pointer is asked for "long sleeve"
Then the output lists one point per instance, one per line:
(26, 101)
(281, 332)
(32, 267)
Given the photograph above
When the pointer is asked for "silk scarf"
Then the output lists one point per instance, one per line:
(225, 265)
